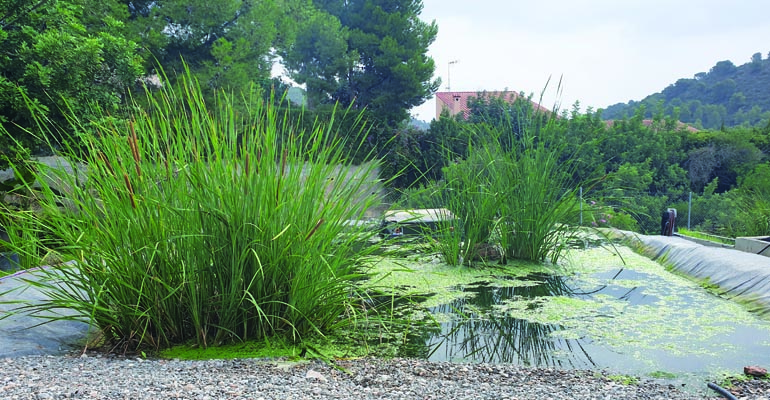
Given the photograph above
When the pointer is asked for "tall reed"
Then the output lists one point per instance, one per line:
(191, 222)
(540, 200)
(472, 196)
(514, 191)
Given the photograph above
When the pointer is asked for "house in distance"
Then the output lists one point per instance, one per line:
(457, 102)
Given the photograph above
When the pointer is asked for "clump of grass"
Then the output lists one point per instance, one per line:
(627, 380)
(514, 191)
(192, 223)
(539, 199)
(471, 195)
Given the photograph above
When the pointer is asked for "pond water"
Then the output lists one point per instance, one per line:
(599, 313)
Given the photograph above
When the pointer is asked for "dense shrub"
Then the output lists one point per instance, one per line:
(205, 225)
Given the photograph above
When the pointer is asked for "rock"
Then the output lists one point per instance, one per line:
(753, 370)
(311, 374)
(487, 252)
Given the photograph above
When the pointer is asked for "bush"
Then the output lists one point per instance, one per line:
(604, 216)
(623, 221)
(200, 224)
(514, 191)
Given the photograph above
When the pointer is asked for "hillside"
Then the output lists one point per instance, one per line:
(727, 95)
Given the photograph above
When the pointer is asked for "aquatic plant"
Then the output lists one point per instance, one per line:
(194, 223)
(539, 198)
(470, 195)
(514, 193)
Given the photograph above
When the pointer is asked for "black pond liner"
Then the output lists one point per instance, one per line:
(23, 335)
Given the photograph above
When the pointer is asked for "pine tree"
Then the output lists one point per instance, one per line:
(375, 59)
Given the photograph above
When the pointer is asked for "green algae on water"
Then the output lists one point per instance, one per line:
(680, 319)
(426, 274)
(346, 344)
(628, 308)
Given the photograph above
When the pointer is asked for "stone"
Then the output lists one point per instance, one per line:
(311, 374)
(487, 252)
(754, 370)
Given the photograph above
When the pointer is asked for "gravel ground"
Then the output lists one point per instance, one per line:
(109, 377)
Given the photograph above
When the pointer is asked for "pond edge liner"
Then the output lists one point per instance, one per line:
(22, 272)
(33, 269)
(738, 276)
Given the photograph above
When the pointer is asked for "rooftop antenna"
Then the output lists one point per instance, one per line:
(448, 76)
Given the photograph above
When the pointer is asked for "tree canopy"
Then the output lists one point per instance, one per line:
(66, 56)
(56, 56)
(727, 95)
(226, 44)
(373, 55)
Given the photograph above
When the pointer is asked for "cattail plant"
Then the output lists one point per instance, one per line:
(513, 193)
(193, 223)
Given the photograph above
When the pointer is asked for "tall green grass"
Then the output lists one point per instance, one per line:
(513, 192)
(540, 200)
(194, 223)
(472, 196)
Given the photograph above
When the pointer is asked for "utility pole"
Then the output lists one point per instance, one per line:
(448, 76)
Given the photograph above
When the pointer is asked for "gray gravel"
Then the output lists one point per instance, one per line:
(110, 377)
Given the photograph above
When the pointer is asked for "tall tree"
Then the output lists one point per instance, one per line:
(227, 44)
(52, 54)
(384, 66)
(319, 56)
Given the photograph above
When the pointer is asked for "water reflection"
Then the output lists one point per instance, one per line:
(635, 295)
(638, 322)
(478, 333)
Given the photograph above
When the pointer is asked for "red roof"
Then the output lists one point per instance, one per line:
(457, 102)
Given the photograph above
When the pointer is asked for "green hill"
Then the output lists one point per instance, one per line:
(727, 95)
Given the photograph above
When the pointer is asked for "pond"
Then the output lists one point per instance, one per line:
(608, 309)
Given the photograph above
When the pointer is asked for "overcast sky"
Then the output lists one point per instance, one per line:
(605, 51)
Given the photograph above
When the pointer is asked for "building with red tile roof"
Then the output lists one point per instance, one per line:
(457, 102)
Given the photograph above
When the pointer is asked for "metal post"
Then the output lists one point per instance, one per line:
(448, 76)
(581, 206)
(689, 211)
